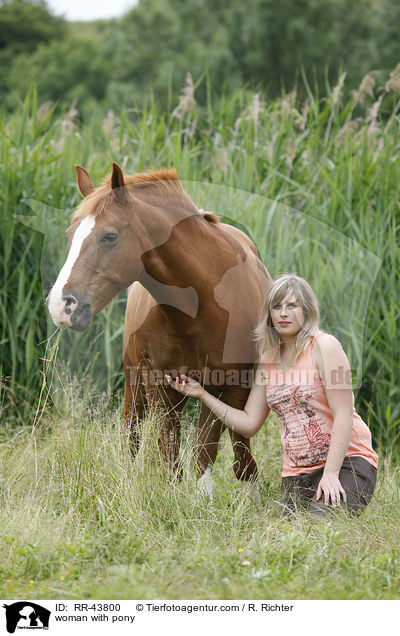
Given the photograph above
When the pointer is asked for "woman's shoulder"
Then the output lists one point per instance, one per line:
(328, 352)
(327, 342)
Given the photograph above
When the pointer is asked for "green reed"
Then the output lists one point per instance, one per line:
(315, 183)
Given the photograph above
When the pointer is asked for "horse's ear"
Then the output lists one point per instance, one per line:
(118, 183)
(85, 183)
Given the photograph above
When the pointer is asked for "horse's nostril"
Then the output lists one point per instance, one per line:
(69, 300)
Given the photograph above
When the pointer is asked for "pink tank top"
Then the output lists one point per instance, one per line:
(299, 399)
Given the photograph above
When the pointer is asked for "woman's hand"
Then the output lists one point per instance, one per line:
(331, 488)
(187, 386)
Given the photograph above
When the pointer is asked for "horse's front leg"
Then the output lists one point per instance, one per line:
(244, 465)
(208, 435)
(134, 402)
(171, 404)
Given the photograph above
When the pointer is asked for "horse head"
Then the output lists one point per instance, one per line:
(112, 238)
(104, 254)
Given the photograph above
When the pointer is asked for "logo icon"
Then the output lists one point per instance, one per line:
(26, 615)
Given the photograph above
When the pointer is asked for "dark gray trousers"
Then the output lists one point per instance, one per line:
(357, 476)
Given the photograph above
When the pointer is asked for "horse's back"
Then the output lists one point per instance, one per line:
(240, 236)
(255, 276)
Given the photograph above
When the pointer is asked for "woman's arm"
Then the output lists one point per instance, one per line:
(334, 369)
(246, 422)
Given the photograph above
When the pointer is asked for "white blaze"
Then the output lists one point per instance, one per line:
(55, 302)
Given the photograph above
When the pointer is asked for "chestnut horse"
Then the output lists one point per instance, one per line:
(196, 292)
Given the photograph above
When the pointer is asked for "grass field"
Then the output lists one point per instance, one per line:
(81, 519)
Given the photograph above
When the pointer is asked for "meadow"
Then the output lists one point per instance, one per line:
(316, 185)
(80, 519)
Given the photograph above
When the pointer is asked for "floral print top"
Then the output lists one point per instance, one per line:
(298, 397)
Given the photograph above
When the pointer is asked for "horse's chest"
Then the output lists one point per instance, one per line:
(168, 351)
(210, 340)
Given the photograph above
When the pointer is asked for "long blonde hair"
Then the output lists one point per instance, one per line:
(265, 335)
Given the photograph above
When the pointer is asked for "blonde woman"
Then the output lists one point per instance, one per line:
(303, 375)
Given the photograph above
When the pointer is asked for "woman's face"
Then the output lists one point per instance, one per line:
(287, 316)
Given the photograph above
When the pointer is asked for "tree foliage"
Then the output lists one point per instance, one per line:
(73, 70)
(260, 44)
(25, 25)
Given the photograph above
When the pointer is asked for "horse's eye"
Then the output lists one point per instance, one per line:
(109, 238)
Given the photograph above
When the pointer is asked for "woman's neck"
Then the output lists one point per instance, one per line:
(288, 344)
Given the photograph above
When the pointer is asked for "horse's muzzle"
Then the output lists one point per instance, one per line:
(82, 317)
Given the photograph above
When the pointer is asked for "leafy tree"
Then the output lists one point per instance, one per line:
(386, 33)
(74, 69)
(159, 41)
(25, 25)
(258, 43)
(272, 41)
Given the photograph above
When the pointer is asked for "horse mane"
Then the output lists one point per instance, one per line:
(163, 182)
(158, 179)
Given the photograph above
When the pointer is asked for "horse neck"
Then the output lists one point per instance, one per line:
(182, 271)
(158, 213)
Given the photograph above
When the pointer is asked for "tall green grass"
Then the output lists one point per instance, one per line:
(315, 183)
(80, 519)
